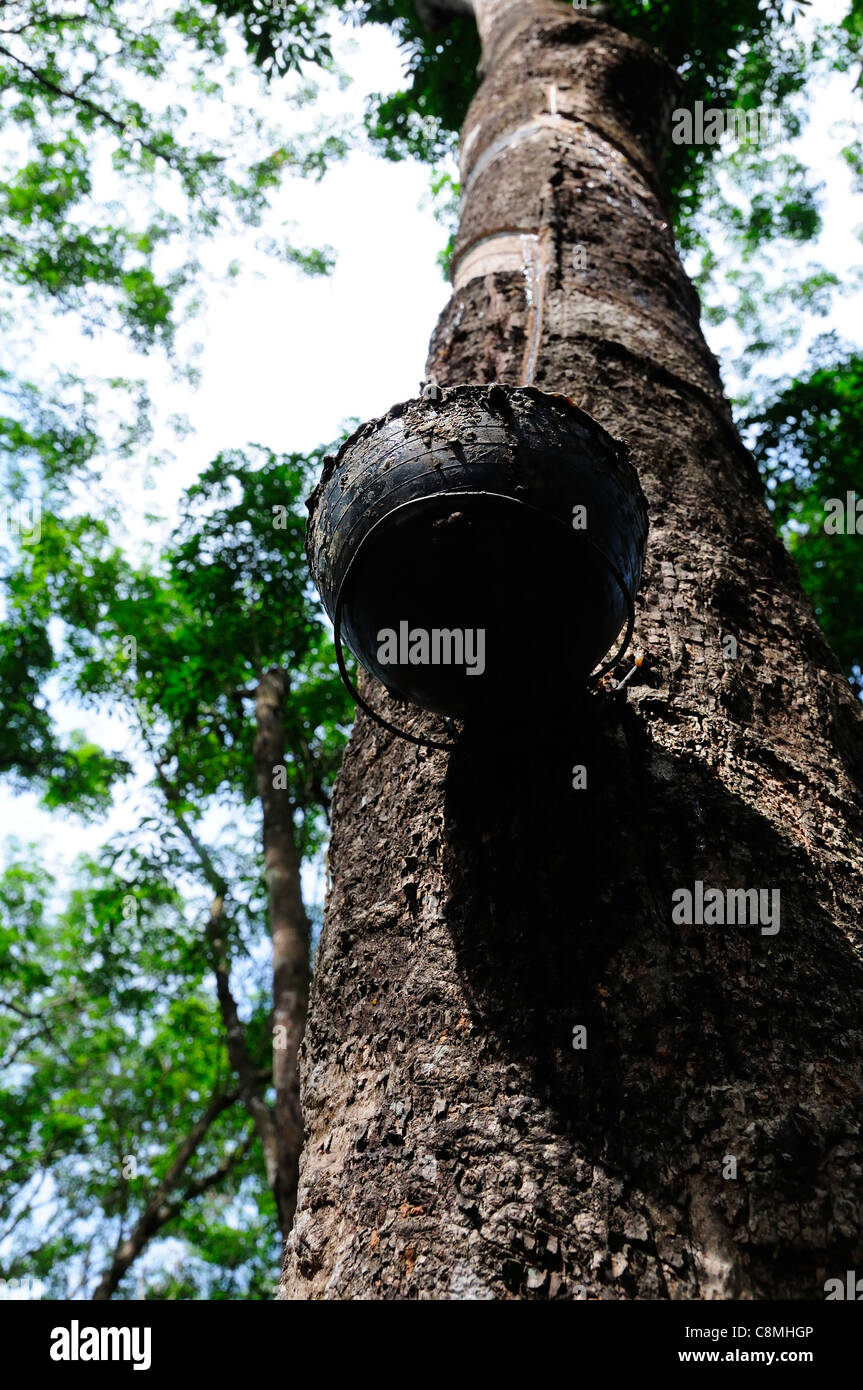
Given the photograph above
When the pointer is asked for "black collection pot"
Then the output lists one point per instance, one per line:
(490, 510)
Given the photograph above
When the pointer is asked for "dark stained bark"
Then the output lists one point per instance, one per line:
(458, 1146)
(290, 933)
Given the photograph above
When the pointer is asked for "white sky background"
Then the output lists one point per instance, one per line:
(287, 359)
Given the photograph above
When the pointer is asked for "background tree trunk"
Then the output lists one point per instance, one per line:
(290, 932)
(458, 1146)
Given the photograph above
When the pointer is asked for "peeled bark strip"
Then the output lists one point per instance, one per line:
(458, 1144)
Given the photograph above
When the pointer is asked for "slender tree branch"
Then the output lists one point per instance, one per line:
(44, 21)
(171, 792)
(74, 95)
(251, 1089)
(66, 93)
(212, 1179)
(156, 1214)
(17, 1009)
(20, 1044)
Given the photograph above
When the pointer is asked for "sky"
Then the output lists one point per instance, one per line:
(286, 360)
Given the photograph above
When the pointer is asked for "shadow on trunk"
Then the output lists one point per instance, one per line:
(704, 1043)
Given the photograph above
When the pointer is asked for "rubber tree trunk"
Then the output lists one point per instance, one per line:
(461, 1142)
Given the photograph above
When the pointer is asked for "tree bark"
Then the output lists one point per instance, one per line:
(705, 1143)
(290, 933)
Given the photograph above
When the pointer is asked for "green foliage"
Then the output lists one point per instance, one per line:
(735, 53)
(445, 196)
(177, 643)
(112, 1048)
(43, 457)
(111, 1020)
(90, 84)
(143, 88)
(281, 37)
(110, 1014)
(424, 118)
(808, 440)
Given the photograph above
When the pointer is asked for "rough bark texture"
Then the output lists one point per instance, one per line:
(290, 933)
(458, 1146)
